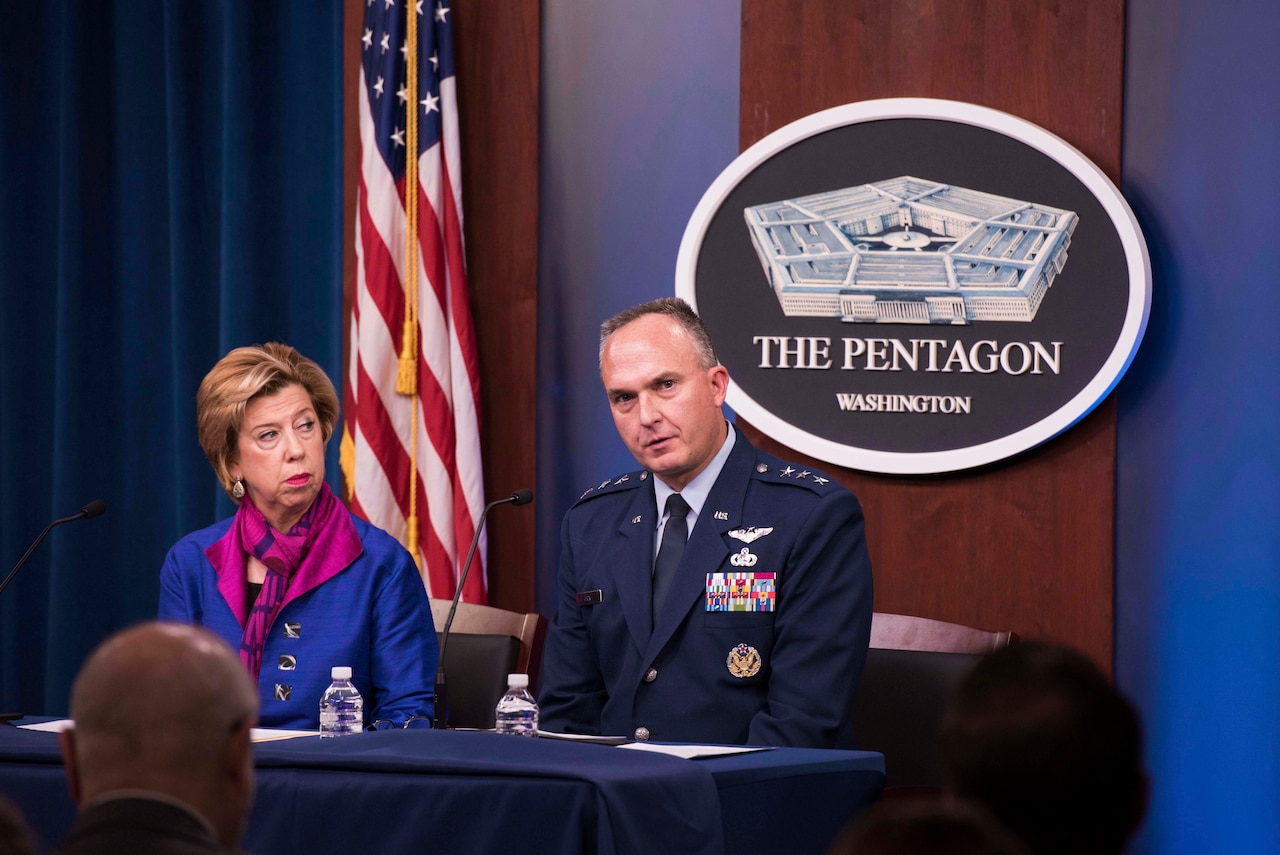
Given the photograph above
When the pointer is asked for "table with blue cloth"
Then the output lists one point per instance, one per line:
(424, 791)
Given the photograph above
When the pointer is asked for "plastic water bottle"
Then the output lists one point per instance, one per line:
(341, 708)
(517, 712)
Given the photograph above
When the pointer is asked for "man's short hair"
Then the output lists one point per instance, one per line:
(668, 307)
(926, 826)
(1042, 738)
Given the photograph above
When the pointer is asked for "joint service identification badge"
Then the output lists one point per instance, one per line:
(744, 661)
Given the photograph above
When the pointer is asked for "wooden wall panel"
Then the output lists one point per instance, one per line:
(1028, 544)
(497, 50)
(496, 54)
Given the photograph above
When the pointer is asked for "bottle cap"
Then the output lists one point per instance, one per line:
(341, 672)
(518, 681)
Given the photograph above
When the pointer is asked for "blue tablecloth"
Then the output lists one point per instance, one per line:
(422, 791)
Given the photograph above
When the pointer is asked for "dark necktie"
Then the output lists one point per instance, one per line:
(674, 536)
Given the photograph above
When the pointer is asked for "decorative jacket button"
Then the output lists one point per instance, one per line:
(642, 734)
(651, 675)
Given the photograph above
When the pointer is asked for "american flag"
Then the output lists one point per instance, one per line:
(392, 477)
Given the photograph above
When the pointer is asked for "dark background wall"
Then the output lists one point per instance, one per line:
(639, 115)
(1198, 488)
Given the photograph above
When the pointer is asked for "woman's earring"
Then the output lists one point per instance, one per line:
(237, 488)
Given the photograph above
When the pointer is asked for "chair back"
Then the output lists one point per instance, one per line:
(908, 632)
(913, 667)
(485, 645)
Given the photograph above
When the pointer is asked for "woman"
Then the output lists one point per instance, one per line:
(293, 580)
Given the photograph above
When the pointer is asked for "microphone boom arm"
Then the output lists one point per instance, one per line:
(440, 718)
(93, 509)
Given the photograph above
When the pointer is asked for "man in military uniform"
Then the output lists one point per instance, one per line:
(716, 595)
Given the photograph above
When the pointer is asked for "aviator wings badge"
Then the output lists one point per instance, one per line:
(749, 535)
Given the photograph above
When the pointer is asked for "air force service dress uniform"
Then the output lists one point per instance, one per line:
(763, 635)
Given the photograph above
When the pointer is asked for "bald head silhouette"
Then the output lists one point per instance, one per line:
(15, 836)
(926, 826)
(166, 708)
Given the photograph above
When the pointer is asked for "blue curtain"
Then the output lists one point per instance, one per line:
(170, 188)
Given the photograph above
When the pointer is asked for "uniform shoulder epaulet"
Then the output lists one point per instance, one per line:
(778, 471)
(629, 481)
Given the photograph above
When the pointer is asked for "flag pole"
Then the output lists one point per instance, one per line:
(407, 378)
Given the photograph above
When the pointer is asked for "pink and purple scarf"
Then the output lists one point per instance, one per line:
(322, 544)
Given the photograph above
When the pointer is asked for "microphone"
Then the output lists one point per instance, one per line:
(441, 718)
(95, 508)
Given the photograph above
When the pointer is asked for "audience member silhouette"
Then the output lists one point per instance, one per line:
(1041, 737)
(926, 826)
(15, 836)
(160, 759)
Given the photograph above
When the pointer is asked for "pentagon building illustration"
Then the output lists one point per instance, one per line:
(908, 250)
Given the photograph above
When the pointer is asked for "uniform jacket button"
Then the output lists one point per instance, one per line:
(651, 675)
(642, 734)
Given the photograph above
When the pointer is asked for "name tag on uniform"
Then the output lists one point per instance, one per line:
(741, 592)
(589, 598)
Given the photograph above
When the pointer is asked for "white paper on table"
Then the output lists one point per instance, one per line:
(583, 737)
(257, 734)
(272, 734)
(56, 726)
(693, 752)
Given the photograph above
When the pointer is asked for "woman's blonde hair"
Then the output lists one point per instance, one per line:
(247, 373)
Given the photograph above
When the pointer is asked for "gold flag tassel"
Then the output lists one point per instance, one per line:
(412, 545)
(347, 462)
(407, 373)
